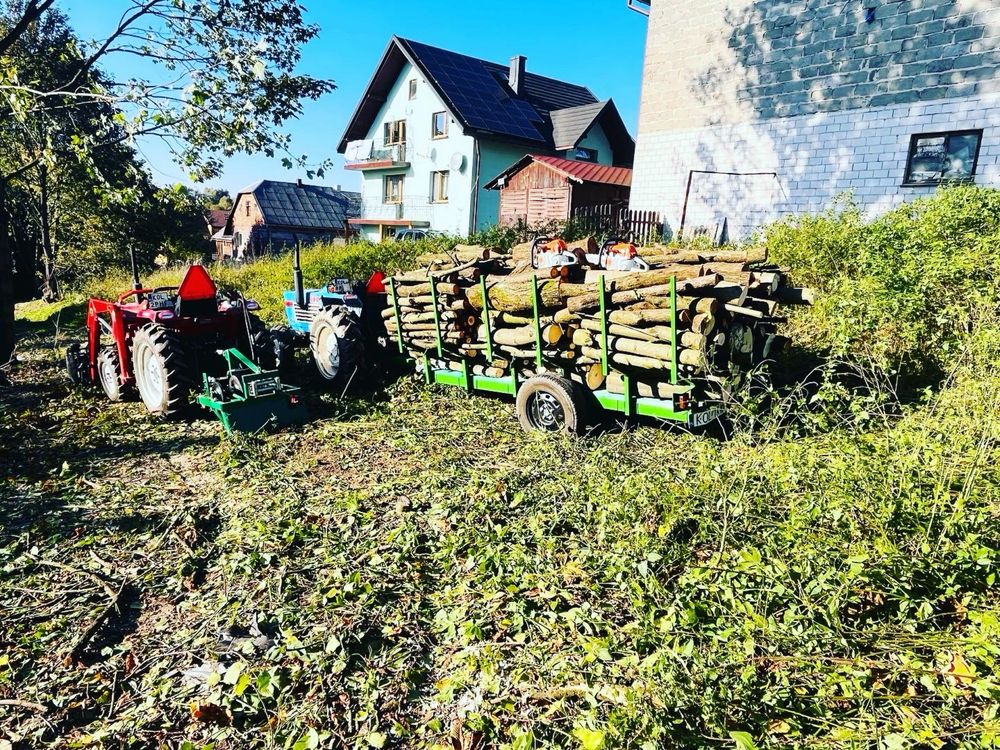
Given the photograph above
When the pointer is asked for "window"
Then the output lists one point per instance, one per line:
(395, 132)
(413, 89)
(439, 187)
(439, 126)
(942, 157)
(393, 192)
(248, 208)
(583, 154)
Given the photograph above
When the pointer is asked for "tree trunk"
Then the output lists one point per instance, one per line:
(50, 286)
(6, 283)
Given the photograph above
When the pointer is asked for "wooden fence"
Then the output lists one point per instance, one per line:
(639, 227)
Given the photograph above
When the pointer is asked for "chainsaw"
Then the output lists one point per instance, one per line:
(555, 253)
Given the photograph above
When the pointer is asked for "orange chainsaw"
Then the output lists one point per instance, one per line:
(555, 253)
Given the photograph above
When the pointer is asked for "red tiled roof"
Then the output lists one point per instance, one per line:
(585, 171)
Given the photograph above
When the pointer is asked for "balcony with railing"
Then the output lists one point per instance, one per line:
(412, 212)
(366, 156)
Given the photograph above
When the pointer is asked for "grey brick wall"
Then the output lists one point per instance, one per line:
(716, 61)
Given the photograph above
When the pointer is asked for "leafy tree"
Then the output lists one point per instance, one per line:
(213, 78)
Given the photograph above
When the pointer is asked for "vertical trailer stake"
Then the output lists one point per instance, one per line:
(437, 318)
(399, 318)
(536, 304)
(673, 330)
(604, 329)
(486, 317)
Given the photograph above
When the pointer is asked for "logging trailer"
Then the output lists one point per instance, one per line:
(550, 400)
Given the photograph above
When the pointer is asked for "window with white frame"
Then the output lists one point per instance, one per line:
(393, 189)
(395, 132)
(439, 187)
(413, 88)
(439, 125)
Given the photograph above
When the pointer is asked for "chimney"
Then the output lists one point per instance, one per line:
(517, 66)
(299, 182)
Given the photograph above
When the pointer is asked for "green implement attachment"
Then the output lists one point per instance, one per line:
(249, 399)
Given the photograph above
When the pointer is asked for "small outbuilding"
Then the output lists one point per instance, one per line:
(539, 189)
(271, 216)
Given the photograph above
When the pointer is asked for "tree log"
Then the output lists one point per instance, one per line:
(616, 384)
(516, 296)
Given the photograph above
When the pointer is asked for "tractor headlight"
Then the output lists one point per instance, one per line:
(165, 315)
(252, 306)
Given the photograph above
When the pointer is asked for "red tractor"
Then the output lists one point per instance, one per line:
(160, 342)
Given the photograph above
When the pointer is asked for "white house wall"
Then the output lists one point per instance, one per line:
(425, 156)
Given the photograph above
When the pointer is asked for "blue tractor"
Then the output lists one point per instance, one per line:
(341, 324)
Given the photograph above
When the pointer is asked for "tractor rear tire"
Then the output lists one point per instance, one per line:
(263, 345)
(109, 369)
(338, 347)
(549, 403)
(163, 370)
(77, 365)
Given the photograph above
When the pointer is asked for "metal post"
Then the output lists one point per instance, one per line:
(437, 318)
(673, 330)
(604, 328)
(536, 305)
(487, 319)
(399, 317)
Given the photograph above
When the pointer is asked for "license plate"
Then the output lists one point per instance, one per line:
(160, 301)
(702, 418)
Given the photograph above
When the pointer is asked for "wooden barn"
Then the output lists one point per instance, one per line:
(540, 189)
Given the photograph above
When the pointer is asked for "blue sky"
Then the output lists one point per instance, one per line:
(598, 44)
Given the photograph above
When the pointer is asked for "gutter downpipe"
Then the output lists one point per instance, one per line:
(474, 225)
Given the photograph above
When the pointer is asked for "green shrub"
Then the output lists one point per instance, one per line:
(906, 289)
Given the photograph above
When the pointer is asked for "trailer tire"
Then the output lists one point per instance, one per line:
(337, 345)
(163, 370)
(283, 344)
(549, 403)
(109, 370)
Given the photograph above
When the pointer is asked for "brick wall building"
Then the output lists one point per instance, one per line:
(885, 98)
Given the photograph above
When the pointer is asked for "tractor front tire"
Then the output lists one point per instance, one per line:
(549, 403)
(109, 374)
(337, 345)
(163, 370)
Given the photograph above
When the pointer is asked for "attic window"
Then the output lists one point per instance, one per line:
(583, 154)
(413, 89)
(439, 126)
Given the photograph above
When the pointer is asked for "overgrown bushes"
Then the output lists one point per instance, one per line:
(905, 290)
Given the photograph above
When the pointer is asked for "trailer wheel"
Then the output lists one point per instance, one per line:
(337, 345)
(283, 344)
(548, 403)
(162, 370)
(109, 368)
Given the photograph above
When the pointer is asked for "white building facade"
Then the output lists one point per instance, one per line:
(754, 109)
(434, 127)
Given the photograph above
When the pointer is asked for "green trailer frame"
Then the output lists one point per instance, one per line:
(628, 403)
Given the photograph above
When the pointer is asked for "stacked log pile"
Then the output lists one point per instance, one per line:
(727, 315)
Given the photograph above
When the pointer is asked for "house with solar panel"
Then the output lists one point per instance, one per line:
(434, 128)
(272, 216)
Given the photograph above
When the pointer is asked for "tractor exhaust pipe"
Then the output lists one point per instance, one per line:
(136, 283)
(300, 289)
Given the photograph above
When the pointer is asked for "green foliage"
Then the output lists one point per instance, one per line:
(906, 289)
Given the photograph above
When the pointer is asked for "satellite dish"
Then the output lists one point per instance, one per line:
(433, 154)
(458, 162)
